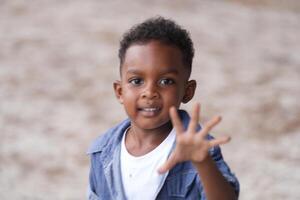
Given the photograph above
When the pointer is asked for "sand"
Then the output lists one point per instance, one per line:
(58, 60)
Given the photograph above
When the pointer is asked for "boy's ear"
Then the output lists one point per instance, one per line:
(118, 91)
(189, 91)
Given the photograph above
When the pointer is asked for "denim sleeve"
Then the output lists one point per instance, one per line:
(91, 195)
(216, 155)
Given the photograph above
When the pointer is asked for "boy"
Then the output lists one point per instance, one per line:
(159, 152)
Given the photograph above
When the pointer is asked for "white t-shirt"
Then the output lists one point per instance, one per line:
(139, 174)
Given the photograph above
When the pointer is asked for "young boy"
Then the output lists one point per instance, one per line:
(159, 152)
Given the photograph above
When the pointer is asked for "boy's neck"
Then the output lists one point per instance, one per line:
(139, 142)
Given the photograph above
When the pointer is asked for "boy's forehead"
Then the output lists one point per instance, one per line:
(154, 53)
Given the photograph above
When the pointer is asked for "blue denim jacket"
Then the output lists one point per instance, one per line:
(182, 182)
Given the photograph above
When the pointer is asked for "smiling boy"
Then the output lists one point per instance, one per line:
(159, 152)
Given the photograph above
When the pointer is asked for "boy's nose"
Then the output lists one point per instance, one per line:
(150, 92)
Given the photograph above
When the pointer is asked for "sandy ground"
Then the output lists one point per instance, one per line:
(58, 59)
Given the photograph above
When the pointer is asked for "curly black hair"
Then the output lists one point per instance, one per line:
(163, 30)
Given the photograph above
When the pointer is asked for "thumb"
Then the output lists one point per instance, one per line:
(169, 164)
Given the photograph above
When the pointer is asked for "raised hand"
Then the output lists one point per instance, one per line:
(190, 144)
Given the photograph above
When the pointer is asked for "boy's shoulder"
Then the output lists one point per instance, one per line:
(110, 138)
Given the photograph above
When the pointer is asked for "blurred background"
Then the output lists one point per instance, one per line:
(58, 59)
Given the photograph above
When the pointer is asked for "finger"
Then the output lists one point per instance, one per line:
(169, 164)
(219, 141)
(209, 125)
(194, 118)
(176, 120)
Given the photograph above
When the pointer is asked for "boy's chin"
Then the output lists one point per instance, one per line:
(154, 126)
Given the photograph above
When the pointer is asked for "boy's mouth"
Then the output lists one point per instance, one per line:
(149, 111)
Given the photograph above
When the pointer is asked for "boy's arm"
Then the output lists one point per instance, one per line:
(193, 146)
(214, 183)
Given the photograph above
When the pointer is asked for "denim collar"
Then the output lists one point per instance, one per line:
(109, 140)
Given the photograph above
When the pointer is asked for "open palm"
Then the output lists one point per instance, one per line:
(190, 144)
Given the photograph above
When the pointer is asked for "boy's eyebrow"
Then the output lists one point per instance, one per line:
(133, 71)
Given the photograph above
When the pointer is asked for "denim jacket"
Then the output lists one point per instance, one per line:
(182, 182)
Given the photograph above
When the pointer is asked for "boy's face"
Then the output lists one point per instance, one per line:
(153, 78)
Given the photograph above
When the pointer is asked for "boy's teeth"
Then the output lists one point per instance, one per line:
(150, 109)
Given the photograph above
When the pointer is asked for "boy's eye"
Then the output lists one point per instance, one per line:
(166, 81)
(136, 81)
